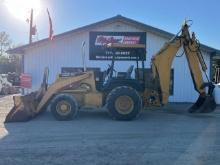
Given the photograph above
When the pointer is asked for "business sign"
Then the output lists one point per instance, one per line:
(98, 49)
(25, 80)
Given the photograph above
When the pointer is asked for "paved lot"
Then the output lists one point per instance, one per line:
(159, 136)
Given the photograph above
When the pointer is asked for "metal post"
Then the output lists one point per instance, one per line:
(143, 67)
(84, 56)
(137, 71)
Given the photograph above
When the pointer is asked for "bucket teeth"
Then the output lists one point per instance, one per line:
(196, 105)
(16, 115)
(203, 105)
(23, 110)
(208, 106)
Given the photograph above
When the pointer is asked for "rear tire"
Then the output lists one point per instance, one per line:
(64, 107)
(124, 103)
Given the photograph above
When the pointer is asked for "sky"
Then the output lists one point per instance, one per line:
(167, 15)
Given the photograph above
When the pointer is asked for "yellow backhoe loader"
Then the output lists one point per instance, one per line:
(123, 96)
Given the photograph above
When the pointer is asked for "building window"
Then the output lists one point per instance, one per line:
(172, 82)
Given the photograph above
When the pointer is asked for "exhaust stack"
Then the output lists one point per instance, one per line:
(84, 56)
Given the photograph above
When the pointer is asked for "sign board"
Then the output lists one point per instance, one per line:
(26, 80)
(98, 42)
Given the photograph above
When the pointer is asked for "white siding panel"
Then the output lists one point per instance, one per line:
(183, 85)
(118, 27)
(154, 44)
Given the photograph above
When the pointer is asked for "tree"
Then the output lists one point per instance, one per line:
(8, 63)
(5, 43)
(16, 62)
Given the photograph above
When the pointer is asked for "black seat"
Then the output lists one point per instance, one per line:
(127, 74)
(129, 71)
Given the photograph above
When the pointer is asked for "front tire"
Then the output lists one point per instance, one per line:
(64, 107)
(124, 103)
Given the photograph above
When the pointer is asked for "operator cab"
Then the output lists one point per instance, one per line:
(111, 78)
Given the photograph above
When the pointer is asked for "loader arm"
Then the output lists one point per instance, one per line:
(161, 68)
(29, 106)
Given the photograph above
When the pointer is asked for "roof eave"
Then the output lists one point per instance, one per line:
(17, 50)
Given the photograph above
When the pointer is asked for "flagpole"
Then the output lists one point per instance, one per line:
(30, 41)
(31, 24)
(50, 26)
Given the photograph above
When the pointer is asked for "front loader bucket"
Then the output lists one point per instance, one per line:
(205, 104)
(24, 108)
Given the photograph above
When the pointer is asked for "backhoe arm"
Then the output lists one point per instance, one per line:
(162, 62)
(161, 66)
(195, 60)
(206, 102)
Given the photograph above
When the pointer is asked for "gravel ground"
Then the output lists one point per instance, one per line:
(166, 136)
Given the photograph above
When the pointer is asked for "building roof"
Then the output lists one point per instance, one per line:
(145, 27)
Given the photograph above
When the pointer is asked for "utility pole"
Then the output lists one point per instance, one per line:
(30, 40)
(31, 28)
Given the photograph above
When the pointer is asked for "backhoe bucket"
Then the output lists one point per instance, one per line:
(24, 108)
(205, 104)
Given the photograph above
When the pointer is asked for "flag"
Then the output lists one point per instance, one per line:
(50, 26)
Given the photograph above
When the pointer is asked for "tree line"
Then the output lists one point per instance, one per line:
(8, 62)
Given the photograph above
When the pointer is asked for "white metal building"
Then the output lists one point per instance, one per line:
(65, 51)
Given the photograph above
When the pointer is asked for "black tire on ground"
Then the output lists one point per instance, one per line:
(64, 107)
(123, 103)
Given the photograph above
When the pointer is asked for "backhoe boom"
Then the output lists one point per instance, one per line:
(162, 63)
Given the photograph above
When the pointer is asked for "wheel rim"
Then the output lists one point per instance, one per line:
(124, 104)
(63, 108)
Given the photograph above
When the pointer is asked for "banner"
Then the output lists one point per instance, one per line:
(25, 80)
(98, 42)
